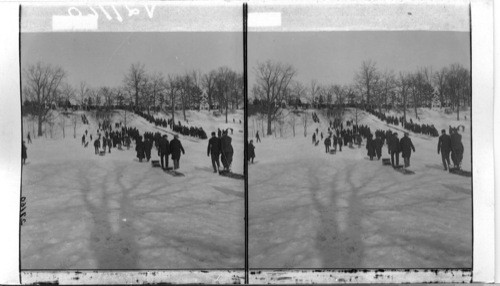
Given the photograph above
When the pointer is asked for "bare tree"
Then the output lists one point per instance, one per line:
(226, 85)
(83, 93)
(458, 85)
(208, 82)
(404, 84)
(314, 92)
(41, 84)
(172, 86)
(153, 89)
(298, 91)
(387, 85)
(135, 80)
(272, 80)
(366, 78)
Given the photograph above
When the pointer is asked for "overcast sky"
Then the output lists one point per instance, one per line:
(334, 57)
(102, 59)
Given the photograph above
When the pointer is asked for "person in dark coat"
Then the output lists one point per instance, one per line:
(257, 137)
(214, 149)
(148, 145)
(457, 148)
(394, 149)
(335, 142)
(339, 141)
(24, 153)
(83, 139)
(227, 151)
(109, 144)
(97, 145)
(328, 142)
(104, 143)
(163, 151)
(370, 146)
(378, 146)
(176, 149)
(29, 138)
(139, 148)
(444, 147)
(251, 151)
(406, 148)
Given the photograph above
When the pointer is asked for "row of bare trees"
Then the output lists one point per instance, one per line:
(275, 87)
(44, 88)
(449, 86)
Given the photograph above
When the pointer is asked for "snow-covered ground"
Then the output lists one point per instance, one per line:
(308, 209)
(90, 212)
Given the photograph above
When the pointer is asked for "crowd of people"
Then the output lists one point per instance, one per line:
(408, 125)
(219, 147)
(338, 137)
(192, 131)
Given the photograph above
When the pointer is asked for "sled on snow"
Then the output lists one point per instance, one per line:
(386, 162)
(231, 175)
(404, 171)
(460, 172)
(174, 173)
(333, 152)
(155, 163)
(102, 153)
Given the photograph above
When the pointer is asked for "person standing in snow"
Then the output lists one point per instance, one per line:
(163, 150)
(370, 146)
(251, 151)
(29, 138)
(148, 145)
(328, 142)
(139, 148)
(176, 149)
(97, 145)
(339, 141)
(83, 139)
(109, 144)
(444, 147)
(457, 148)
(394, 149)
(378, 146)
(104, 143)
(24, 153)
(227, 151)
(214, 149)
(406, 148)
(257, 137)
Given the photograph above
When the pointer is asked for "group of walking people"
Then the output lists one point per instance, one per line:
(220, 147)
(451, 144)
(447, 145)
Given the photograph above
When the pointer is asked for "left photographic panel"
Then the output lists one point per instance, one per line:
(119, 103)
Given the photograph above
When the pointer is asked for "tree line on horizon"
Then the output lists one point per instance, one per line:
(44, 88)
(276, 88)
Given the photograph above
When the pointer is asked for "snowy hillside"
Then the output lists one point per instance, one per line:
(312, 209)
(111, 212)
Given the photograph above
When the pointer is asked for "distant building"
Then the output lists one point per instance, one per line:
(204, 101)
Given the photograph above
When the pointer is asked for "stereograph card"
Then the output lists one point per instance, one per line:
(235, 142)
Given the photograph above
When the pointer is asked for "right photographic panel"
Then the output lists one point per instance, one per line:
(359, 138)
